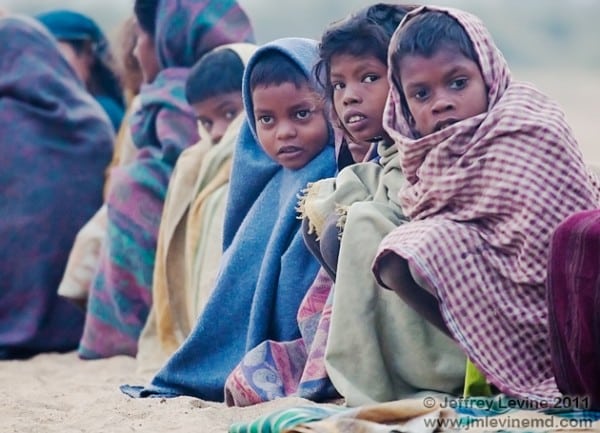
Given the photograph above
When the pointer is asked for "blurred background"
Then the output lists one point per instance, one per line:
(552, 43)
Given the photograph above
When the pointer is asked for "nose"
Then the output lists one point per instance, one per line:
(217, 131)
(351, 95)
(442, 104)
(285, 130)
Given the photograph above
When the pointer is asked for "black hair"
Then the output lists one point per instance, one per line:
(366, 32)
(216, 73)
(275, 68)
(146, 12)
(426, 33)
(103, 78)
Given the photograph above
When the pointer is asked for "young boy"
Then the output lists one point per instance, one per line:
(190, 235)
(285, 143)
(492, 168)
(214, 90)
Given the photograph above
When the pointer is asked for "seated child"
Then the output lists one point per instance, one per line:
(401, 352)
(190, 234)
(491, 169)
(170, 39)
(266, 269)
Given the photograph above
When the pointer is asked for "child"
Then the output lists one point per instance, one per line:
(265, 271)
(171, 38)
(352, 68)
(56, 143)
(491, 168)
(402, 353)
(190, 234)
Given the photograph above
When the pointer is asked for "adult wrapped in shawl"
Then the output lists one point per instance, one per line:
(484, 196)
(165, 124)
(266, 269)
(56, 142)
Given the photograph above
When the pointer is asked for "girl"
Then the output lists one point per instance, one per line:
(402, 353)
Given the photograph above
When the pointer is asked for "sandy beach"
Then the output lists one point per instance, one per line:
(61, 393)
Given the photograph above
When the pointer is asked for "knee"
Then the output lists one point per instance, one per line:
(393, 270)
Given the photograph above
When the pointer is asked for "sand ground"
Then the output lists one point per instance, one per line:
(54, 393)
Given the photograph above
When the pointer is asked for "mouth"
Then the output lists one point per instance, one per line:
(353, 117)
(289, 150)
(442, 124)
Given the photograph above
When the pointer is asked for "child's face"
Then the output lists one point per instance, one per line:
(441, 90)
(360, 89)
(217, 112)
(290, 123)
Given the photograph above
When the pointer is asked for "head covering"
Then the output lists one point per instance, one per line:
(69, 25)
(187, 29)
(266, 269)
(483, 196)
(163, 126)
(301, 52)
(55, 145)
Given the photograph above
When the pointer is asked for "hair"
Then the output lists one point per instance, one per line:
(364, 33)
(275, 68)
(103, 78)
(146, 12)
(216, 73)
(129, 68)
(430, 31)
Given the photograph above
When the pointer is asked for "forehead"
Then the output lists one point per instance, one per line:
(282, 97)
(218, 102)
(415, 68)
(347, 63)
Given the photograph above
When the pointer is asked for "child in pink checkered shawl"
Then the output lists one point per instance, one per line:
(491, 169)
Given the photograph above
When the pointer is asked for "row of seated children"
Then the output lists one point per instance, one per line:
(221, 352)
(457, 221)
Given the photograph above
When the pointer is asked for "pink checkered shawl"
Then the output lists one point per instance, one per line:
(484, 196)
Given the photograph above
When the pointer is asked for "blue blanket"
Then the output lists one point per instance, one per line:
(266, 268)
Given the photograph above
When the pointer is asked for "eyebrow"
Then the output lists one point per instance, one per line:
(224, 104)
(455, 70)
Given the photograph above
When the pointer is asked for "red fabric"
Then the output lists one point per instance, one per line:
(574, 305)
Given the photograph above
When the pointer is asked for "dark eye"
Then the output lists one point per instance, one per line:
(459, 83)
(371, 78)
(230, 114)
(265, 120)
(421, 94)
(206, 124)
(338, 85)
(303, 114)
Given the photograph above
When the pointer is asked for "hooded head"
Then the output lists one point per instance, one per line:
(186, 29)
(442, 38)
(284, 104)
